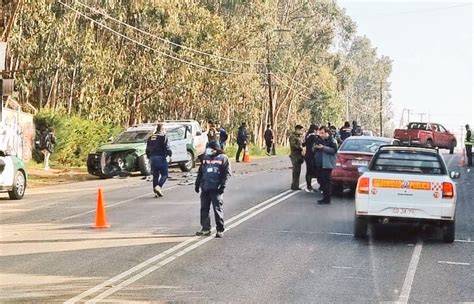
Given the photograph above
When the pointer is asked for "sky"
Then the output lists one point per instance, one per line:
(432, 45)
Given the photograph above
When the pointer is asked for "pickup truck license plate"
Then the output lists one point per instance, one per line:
(403, 211)
(363, 163)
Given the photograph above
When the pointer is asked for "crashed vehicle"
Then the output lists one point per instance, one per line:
(13, 176)
(126, 154)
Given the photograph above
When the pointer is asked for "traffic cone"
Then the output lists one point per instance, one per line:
(246, 156)
(100, 217)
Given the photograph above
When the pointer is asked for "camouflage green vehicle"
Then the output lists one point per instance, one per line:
(126, 153)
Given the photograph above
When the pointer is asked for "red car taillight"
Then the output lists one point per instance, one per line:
(448, 190)
(363, 186)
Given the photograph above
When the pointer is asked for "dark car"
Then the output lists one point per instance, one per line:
(355, 152)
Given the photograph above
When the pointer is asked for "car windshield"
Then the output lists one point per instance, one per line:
(362, 145)
(132, 137)
(408, 162)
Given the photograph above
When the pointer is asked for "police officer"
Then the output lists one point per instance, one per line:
(157, 149)
(468, 142)
(310, 139)
(296, 156)
(211, 181)
(327, 151)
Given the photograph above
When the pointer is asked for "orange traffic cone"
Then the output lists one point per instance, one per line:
(100, 217)
(246, 156)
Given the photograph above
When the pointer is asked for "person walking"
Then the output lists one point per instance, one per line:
(223, 136)
(47, 142)
(268, 136)
(327, 151)
(308, 144)
(157, 150)
(242, 138)
(296, 156)
(346, 131)
(468, 142)
(211, 182)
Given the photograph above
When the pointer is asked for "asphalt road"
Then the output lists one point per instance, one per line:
(279, 247)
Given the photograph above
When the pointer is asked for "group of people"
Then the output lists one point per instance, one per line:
(217, 133)
(318, 150)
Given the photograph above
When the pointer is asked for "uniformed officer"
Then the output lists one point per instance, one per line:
(296, 156)
(211, 181)
(468, 142)
(157, 149)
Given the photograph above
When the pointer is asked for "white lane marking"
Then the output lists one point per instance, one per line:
(357, 278)
(111, 205)
(465, 241)
(341, 267)
(182, 252)
(165, 253)
(339, 233)
(454, 263)
(410, 276)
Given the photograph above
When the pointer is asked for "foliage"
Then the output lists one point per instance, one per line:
(76, 137)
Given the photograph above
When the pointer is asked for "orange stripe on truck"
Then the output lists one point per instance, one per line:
(400, 184)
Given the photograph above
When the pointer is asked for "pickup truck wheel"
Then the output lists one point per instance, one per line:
(360, 227)
(189, 165)
(19, 186)
(453, 145)
(449, 231)
(144, 164)
(429, 143)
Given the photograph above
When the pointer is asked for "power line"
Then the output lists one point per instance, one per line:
(292, 80)
(163, 39)
(290, 87)
(155, 50)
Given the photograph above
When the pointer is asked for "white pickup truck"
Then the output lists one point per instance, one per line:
(406, 184)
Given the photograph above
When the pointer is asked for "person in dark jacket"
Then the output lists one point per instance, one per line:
(326, 157)
(223, 136)
(346, 131)
(157, 149)
(310, 140)
(211, 182)
(47, 142)
(268, 136)
(242, 138)
(296, 156)
(356, 129)
(468, 142)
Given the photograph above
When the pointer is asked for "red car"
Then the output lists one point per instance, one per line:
(426, 135)
(355, 152)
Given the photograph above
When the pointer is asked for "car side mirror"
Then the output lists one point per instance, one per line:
(198, 133)
(454, 174)
(362, 170)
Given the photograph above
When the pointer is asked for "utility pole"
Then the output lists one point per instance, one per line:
(381, 108)
(270, 95)
(421, 116)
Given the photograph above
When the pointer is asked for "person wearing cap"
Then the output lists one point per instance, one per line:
(211, 183)
(157, 149)
(468, 142)
(296, 156)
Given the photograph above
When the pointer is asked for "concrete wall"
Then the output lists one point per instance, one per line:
(17, 133)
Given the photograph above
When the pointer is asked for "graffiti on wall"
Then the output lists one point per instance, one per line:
(17, 133)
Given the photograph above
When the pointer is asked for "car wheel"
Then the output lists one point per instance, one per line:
(453, 145)
(449, 231)
(19, 186)
(189, 164)
(360, 227)
(429, 143)
(144, 164)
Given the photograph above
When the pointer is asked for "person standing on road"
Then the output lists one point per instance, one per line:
(47, 142)
(242, 138)
(296, 156)
(223, 136)
(327, 151)
(268, 136)
(468, 142)
(211, 181)
(212, 133)
(346, 131)
(308, 144)
(356, 129)
(157, 150)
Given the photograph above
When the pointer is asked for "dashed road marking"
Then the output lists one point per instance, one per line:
(454, 263)
(410, 276)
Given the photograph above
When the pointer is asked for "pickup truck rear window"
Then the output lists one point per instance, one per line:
(417, 126)
(408, 162)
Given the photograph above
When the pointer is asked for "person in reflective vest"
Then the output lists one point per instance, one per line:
(211, 182)
(468, 142)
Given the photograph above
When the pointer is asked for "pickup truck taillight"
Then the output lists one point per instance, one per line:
(448, 190)
(363, 186)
